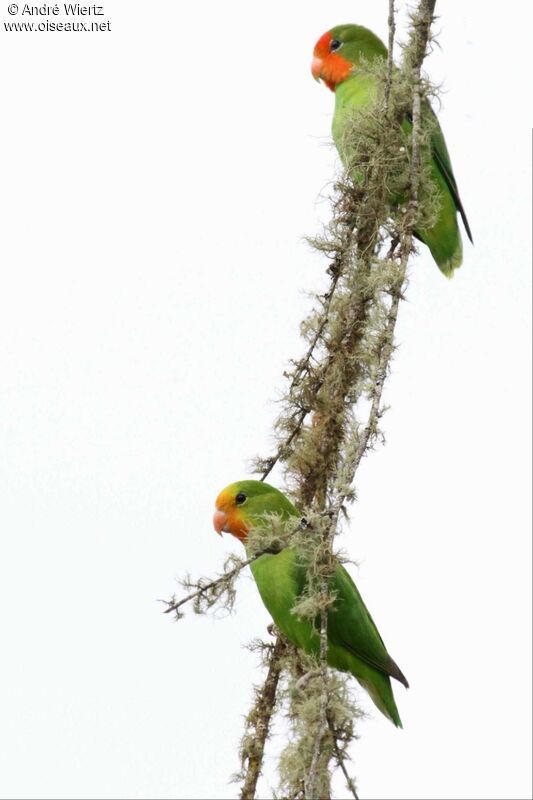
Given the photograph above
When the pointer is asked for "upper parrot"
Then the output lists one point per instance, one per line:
(354, 644)
(338, 59)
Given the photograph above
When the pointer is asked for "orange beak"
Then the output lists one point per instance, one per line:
(220, 519)
(316, 68)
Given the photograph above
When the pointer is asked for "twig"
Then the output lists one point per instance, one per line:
(304, 365)
(390, 55)
(259, 720)
(311, 779)
(340, 760)
(173, 605)
(282, 449)
(377, 389)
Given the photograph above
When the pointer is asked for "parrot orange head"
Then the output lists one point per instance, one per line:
(339, 52)
(244, 504)
(328, 64)
(228, 516)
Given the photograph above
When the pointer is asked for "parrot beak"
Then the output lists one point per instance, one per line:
(316, 68)
(220, 519)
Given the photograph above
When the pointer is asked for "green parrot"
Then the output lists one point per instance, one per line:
(354, 644)
(337, 59)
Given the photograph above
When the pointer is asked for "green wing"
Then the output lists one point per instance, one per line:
(281, 581)
(354, 643)
(442, 160)
(443, 237)
(351, 626)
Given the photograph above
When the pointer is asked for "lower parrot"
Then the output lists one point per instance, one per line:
(354, 644)
(339, 60)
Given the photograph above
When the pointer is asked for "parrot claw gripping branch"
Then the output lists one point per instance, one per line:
(397, 185)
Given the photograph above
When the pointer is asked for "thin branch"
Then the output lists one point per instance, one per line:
(259, 721)
(420, 36)
(312, 777)
(173, 605)
(390, 55)
(271, 462)
(340, 760)
(304, 365)
(371, 427)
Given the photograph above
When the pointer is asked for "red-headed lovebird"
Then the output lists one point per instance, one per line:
(354, 644)
(340, 59)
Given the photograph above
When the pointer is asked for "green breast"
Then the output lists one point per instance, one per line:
(352, 94)
(281, 580)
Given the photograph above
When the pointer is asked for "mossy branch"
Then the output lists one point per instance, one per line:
(321, 438)
(338, 736)
(390, 55)
(259, 719)
(207, 592)
(335, 446)
(302, 368)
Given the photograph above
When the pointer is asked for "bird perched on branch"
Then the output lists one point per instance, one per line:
(354, 644)
(341, 59)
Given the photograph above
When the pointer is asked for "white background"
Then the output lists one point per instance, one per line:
(157, 183)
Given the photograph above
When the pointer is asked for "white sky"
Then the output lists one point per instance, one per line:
(157, 182)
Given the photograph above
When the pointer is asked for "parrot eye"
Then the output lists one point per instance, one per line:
(241, 497)
(335, 44)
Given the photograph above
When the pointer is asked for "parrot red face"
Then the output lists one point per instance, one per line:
(328, 65)
(228, 516)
